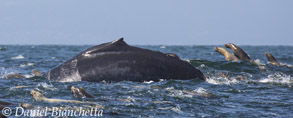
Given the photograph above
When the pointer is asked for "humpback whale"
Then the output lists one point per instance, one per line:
(117, 61)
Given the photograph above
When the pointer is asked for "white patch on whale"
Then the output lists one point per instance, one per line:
(68, 75)
(87, 54)
(116, 41)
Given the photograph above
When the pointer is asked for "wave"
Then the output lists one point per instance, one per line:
(227, 66)
(3, 48)
(278, 78)
(26, 65)
(18, 57)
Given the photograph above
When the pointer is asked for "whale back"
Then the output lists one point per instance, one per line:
(117, 61)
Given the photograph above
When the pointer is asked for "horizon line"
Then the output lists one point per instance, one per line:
(136, 45)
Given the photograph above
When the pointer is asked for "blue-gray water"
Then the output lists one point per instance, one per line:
(262, 93)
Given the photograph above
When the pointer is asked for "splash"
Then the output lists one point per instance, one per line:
(277, 78)
(148, 82)
(201, 90)
(47, 86)
(26, 65)
(222, 80)
(18, 57)
(177, 93)
(162, 46)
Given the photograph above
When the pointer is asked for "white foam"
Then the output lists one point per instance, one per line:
(187, 60)
(18, 57)
(148, 82)
(202, 65)
(277, 78)
(201, 90)
(27, 64)
(28, 76)
(177, 93)
(162, 46)
(257, 62)
(284, 64)
(47, 86)
(221, 80)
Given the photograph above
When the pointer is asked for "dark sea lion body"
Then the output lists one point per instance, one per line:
(272, 59)
(15, 76)
(117, 61)
(5, 103)
(80, 92)
(2, 106)
(238, 52)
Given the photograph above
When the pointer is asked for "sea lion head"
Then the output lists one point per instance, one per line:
(36, 72)
(76, 92)
(230, 45)
(36, 95)
(228, 56)
(220, 50)
(238, 52)
(80, 92)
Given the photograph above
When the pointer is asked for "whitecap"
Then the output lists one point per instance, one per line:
(162, 46)
(187, 60)
(220, 80)
(177, 93)
(18, 57)
(277, 78)
(28, 76)
(47, 86)
(27, 64)
(202, 65)
(148, 82)
(200, 90)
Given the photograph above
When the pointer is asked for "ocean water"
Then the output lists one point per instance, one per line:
(262, 93)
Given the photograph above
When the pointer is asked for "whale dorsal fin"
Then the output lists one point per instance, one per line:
(117, 45)
(119, 42)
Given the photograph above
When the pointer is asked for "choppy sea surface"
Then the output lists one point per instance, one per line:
(261, 93)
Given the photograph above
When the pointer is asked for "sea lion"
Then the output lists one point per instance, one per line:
(117, 61)
(2, 106)
(228, 56)
(272, 60)
(39, 97)
(5, 103)
(238, 52)
(36, 73)
(26, 106)
(80, 92)
(15, 76)
(33, 107)
(1, 115)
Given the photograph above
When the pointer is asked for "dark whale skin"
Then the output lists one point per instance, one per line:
(117, 61)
